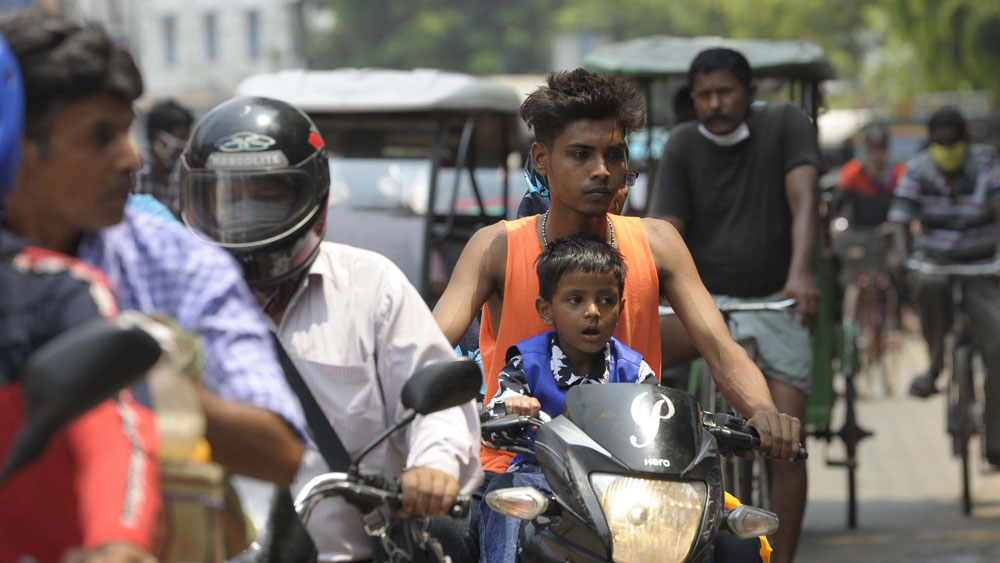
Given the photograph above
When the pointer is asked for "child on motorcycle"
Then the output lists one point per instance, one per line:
(581, 281)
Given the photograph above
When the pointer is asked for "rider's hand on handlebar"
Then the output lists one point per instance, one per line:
(779, 434)
(427, 492)
(523, 405)
(802, 288)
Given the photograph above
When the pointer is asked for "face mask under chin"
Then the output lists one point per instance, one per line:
(740, 134)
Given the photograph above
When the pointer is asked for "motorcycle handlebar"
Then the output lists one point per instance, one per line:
(394, 488)
(499, 411)
(371, 490)
(508, 423)
(733, 435)
(802, 455)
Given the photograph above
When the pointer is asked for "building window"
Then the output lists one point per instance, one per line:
(253, 34)
(170, 39)
(211, 37)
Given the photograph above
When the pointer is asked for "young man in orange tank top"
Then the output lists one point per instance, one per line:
(580, 120)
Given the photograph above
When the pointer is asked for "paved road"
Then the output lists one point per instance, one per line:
(909, 487)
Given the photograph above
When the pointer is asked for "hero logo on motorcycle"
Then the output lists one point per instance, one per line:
(647, 412)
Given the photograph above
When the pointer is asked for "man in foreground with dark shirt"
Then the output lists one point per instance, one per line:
(740, 186)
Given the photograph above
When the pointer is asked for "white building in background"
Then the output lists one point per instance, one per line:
(197, 51)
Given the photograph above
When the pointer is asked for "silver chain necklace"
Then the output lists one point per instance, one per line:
(545, 238)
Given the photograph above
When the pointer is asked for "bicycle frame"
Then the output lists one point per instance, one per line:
(962, 398)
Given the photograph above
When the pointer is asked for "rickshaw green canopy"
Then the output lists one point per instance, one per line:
(665, 55)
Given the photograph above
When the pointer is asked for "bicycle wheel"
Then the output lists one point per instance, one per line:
(877, 321)
(864, 341)
(963, 417)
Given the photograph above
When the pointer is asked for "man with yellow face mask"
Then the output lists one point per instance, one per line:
(953, 190)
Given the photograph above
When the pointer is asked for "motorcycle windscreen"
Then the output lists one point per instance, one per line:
(648, 427)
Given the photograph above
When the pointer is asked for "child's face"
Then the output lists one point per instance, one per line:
(584, 309)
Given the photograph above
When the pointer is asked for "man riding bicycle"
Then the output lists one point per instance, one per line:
(862, 241)
(953, 190)
(866, 184)
(740, 186)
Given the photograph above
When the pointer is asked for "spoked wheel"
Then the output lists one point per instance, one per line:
(870, 318)
(964, 425)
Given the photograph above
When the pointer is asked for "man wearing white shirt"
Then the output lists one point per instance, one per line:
(255, 179)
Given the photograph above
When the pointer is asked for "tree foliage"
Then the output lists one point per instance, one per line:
(956, 42)
(893, 49)
(477, 37)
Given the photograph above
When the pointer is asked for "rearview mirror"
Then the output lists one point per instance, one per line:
(442, 385)
(72, 374)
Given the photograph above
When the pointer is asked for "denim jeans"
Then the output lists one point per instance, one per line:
(498, 532)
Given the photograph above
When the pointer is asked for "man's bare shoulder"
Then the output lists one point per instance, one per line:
(490, 239)
(660, 233)
(486, 252)
(665, 243)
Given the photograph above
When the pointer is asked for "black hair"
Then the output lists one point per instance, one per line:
(570, 96)
(684, 105)
(721, 58)
(947, 118)
(167, 115)
(577, 253)
(63, 62)
(875, 134)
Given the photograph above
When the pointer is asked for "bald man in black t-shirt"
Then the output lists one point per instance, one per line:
(740, 186)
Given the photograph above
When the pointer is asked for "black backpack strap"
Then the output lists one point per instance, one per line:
(330, 446)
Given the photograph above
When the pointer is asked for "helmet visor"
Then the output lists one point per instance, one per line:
(246, 207)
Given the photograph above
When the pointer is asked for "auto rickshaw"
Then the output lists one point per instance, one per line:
(419, 160)
(784, 71)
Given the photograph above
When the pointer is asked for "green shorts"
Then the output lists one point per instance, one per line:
(780, 346)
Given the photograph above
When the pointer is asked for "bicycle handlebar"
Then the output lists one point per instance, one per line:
(957, 270)
(758, 307)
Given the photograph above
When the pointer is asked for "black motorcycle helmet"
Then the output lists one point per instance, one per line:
(255, 180)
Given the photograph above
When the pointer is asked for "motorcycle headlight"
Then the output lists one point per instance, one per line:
(650, 520)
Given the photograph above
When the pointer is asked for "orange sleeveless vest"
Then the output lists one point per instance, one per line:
(638, 327)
